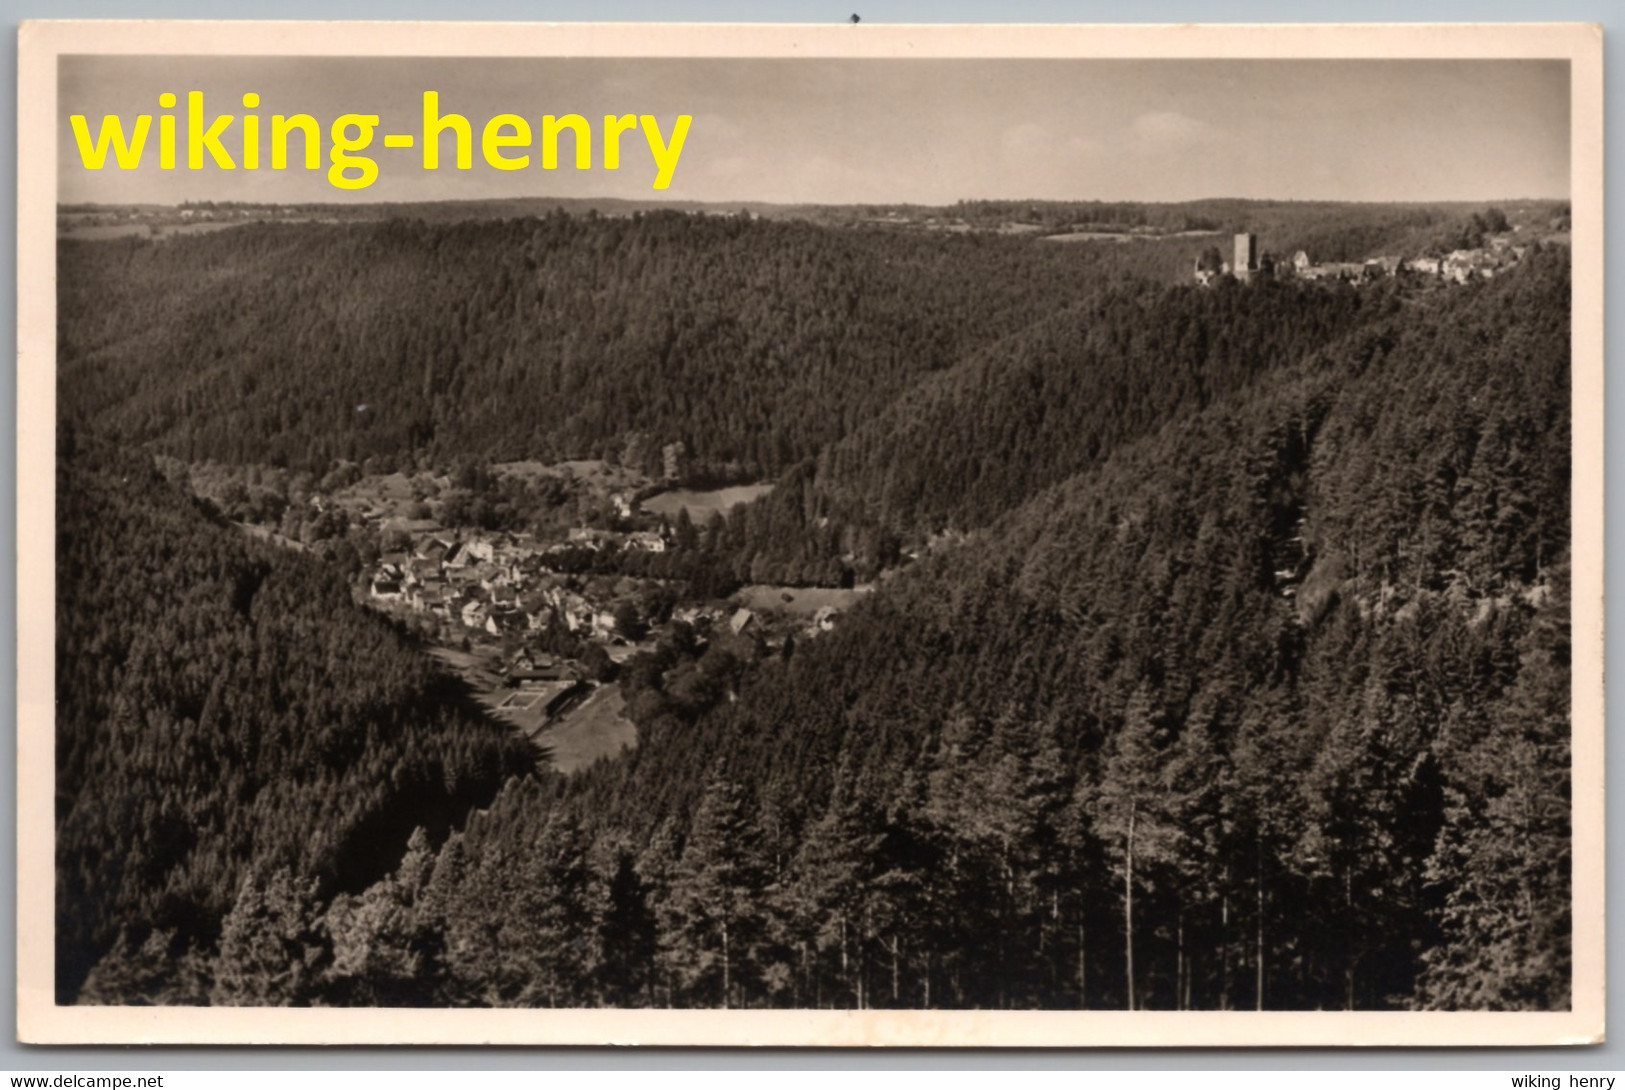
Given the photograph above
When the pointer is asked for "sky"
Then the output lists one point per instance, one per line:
(929, 131)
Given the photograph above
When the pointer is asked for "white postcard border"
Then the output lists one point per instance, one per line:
(40, 1021)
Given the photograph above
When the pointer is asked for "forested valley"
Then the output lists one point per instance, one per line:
(1236, 675)
(226, 722)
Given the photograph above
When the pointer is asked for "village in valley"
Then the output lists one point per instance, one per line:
(539, 625)
(538, 622)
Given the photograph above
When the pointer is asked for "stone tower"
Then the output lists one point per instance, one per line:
(1246, 262)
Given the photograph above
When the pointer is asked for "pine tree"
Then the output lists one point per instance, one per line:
(1504, 854)
(628, 936)
(1134, 815)
(388, 948)
(272, 948)
(160, 970)
(713, 915)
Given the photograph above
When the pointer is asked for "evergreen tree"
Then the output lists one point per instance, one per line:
(273, 949)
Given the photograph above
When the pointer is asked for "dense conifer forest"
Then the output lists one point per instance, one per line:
(754, 343)
(1236, 675)
(225, 719)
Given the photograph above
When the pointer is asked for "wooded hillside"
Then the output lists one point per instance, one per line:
(225, 716)
(753, 343)
(1302, 657)
(1245, 685)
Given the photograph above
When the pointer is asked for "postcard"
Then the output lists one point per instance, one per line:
(810, 535)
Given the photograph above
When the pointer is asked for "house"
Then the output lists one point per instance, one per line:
(527, 659)
(532, 601)
(529, 668)
(585, 538)
(1353, 271)
(458, 557)
(576, 611)
(475, 614)
(422, 571)
(741, 620)
(646, 540)
(386, 590)
(501, 620)
(1462, 265)
(426, 597)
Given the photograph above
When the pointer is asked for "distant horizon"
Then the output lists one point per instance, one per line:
(876, 131)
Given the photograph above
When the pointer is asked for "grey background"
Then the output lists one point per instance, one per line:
(16, 1057)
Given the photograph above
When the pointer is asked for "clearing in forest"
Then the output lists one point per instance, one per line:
(597, 727)
(701, 505)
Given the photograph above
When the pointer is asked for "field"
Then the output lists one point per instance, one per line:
(800, 600)
(1122, 236)
(586, 730)
(101, 231)
(597, 727)
(701, 505)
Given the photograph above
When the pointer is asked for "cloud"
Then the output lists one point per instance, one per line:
(1169, 130)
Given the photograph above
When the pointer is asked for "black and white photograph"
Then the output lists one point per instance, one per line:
(951, 537)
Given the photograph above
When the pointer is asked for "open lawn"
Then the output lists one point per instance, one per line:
(800, 600)
(1124, 236)
(102, 231)
(701, 505)
(597, 727)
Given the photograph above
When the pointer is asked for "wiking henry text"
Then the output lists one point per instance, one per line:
(228, 141)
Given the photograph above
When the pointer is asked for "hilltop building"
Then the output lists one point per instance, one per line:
(1246, 263)
(1499, 253)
